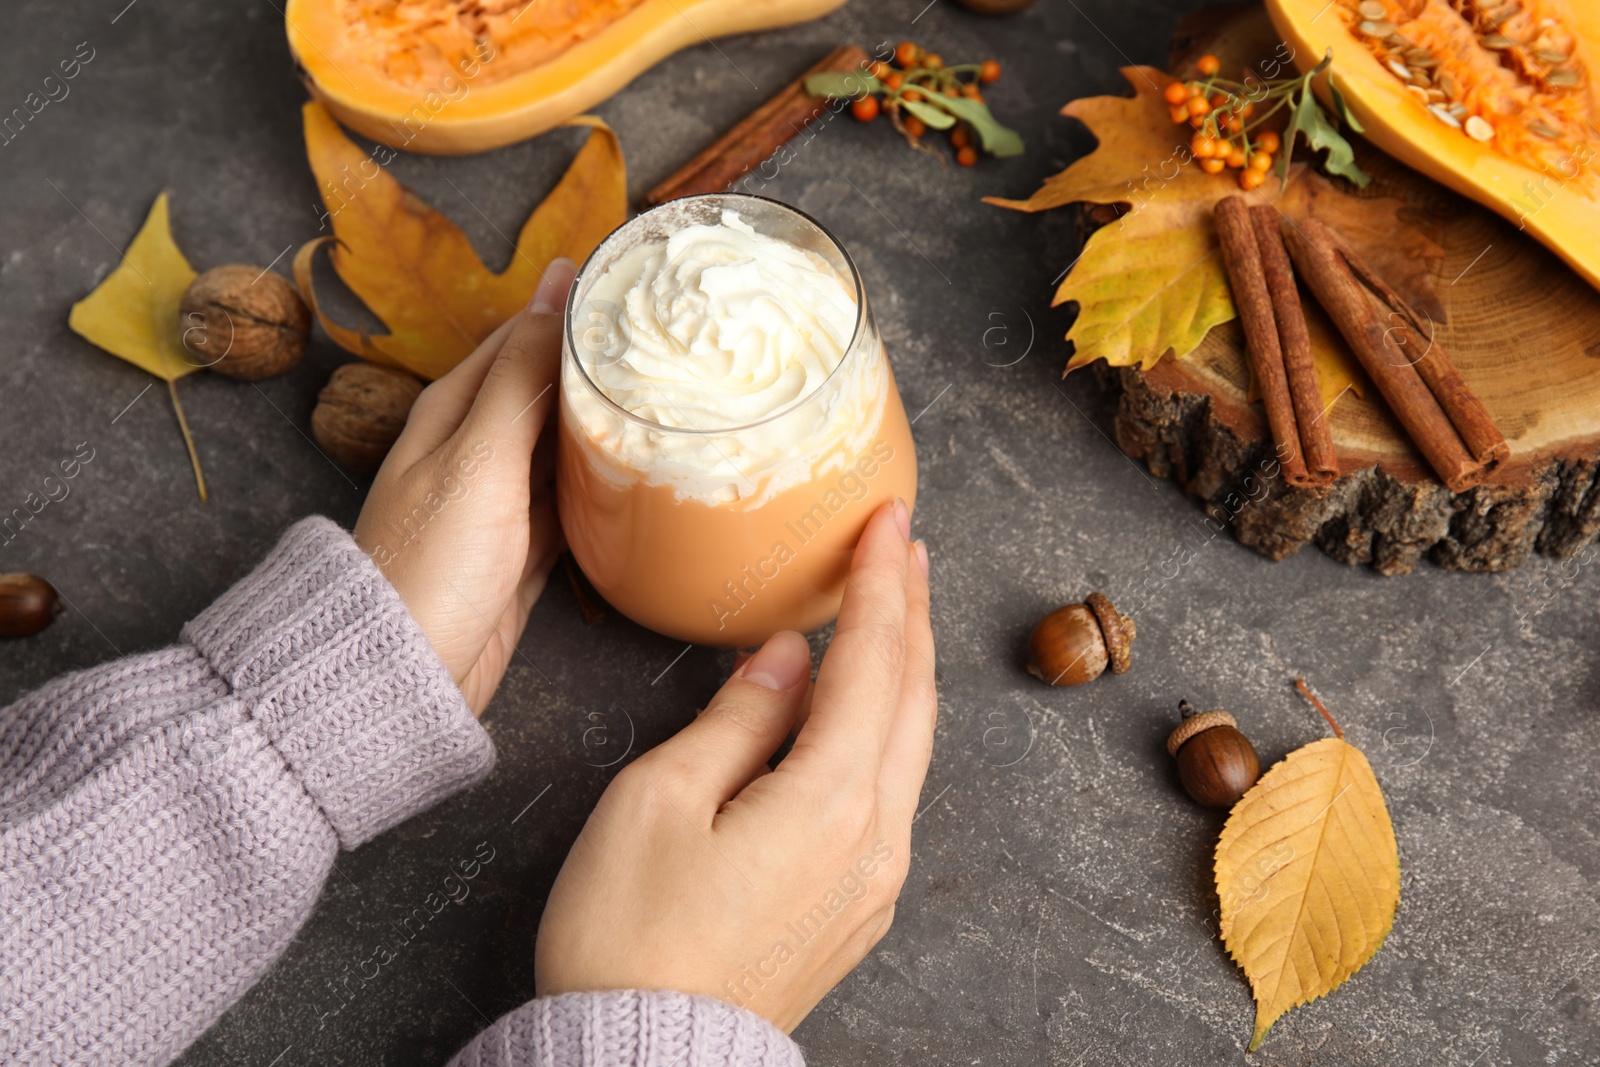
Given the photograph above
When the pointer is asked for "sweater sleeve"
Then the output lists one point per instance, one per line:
(629, 1028)
(167, 820)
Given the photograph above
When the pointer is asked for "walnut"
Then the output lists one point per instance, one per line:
(361, 411)
(244, 323)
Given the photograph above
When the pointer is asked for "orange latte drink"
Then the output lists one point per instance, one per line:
(728, 420)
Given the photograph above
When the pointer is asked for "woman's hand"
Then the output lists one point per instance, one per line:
(702, 871)
(461, 518)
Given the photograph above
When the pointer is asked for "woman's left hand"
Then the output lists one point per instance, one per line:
(461, 518)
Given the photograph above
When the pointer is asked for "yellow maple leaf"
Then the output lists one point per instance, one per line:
(417, 271)
(1151, 284)
(133, 313)
(1308, 874)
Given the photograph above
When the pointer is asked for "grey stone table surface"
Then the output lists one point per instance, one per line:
(1059, 905)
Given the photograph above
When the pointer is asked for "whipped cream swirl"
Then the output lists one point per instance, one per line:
(713, 329)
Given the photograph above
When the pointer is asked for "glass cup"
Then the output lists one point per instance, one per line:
(713, 534)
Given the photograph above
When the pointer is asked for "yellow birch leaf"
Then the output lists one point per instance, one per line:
(1308, 874)
(133, 313)
(417, 271)
(1151, 284)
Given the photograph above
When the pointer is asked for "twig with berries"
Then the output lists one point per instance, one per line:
(919, 92)
(1228, 117)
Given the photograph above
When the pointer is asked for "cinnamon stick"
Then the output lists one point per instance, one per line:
(1242, 258)
(761, 133)
(1316, 435)
(1483, 439)
(1364, 317)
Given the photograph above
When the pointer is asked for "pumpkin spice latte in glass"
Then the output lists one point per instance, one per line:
(728, 420)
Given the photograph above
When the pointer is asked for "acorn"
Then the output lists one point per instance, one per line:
(1074, 644)
(1216, 763)
(28, 604)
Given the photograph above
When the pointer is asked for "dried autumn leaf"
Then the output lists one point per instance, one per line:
(1309, 877)
(1152, 283)
(418, 272)
(133, 313)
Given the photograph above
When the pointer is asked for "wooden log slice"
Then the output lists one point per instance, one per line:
(1524, 331)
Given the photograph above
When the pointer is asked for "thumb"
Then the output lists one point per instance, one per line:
(732, 740)
(518, 390)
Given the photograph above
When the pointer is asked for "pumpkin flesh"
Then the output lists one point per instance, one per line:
(450, 77)
(1494, 100)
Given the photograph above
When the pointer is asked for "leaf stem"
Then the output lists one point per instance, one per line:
(183, 424)
(1305, 691)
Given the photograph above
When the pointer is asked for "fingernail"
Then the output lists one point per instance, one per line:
(902, 518)
(922, 555)
(780, 664)
(552, 290)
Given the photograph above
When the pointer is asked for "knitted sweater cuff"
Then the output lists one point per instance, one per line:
(321, 649)
(633, 1028)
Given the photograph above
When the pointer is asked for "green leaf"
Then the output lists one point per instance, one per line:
(1311, 122)
(1344, 110)
(931, 116)
(997, 139)
(834, 85)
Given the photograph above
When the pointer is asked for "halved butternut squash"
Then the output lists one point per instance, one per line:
(1522, 141)
(449, 77)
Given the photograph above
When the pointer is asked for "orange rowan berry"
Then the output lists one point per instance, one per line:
(906, 54)
(933, 61)
(1177, 93)
(1202, 146)
(959, 137)
(1212, 166)
(1179, 114)
(911, 95)
(1236, 158)
(1199, 106)
(989, 71)
(1267, 141)
(915, 127)
(880, 69)
(865, 109)
(895, 80)
(1208, 65)
(967, 156)
(1251, 179)
(1261, 161)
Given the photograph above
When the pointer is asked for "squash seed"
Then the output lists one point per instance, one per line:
(1498, 42)
(1371, 9)
(1436, 96)
(1478, 129)
(1554, 59)
(1448, 83)
(1496, 16)
(1549, 133)
(1458, 110)
(1421, 59)
(1445, 117)
(1565, 78)
(1376, 27)
(1401, 71)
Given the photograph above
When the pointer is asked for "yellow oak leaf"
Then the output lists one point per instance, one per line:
(417, 271)
(133, 313)
(1151, 283)
(1309, 877)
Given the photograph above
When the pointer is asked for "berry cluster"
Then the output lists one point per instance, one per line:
(915, 75)
(1223, 114)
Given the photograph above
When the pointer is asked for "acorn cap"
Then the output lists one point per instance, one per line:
(1194, 724)
(1118, 630)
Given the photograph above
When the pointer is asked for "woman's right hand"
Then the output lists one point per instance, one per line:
(702, 871)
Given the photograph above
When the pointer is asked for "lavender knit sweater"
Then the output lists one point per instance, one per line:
(167, 820)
